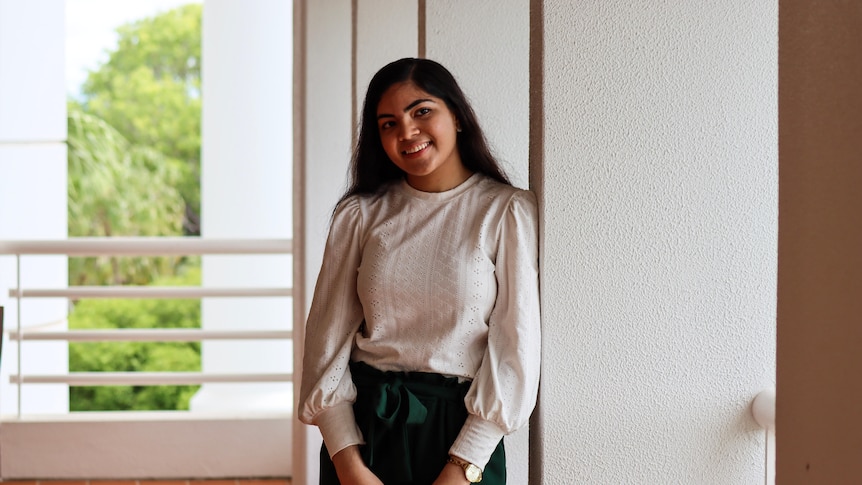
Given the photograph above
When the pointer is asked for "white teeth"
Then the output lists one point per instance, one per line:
(417, 148)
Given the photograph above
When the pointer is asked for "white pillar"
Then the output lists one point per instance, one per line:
(246, 191)
(323, 151)
(659, 195)
(33, 190)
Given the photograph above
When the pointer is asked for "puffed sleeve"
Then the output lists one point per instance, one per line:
(327, 392)
(503, 393)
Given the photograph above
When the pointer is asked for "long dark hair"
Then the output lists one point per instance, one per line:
(370, 167)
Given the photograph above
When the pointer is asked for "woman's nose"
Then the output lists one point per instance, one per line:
(407, 131)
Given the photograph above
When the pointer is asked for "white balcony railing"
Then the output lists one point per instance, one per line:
(80, 247)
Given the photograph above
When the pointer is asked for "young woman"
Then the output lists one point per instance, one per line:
(422, 342)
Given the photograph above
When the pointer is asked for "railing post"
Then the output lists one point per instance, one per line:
(18, 327)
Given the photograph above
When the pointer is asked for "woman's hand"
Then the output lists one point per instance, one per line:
(452, 474)
(351, 470)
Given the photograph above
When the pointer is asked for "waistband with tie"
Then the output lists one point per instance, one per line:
(390, 402)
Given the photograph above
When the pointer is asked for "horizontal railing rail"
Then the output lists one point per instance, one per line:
(146, 378)
(151, 335)
(146, 246)
(143, 292)
(143, 246)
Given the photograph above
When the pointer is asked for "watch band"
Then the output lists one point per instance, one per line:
(471, 471)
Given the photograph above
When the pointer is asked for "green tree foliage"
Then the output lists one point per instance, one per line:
(150, 91)
(134, 163)
(135, 356)
(118, 189)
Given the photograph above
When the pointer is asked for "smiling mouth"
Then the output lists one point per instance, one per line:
(417, 148)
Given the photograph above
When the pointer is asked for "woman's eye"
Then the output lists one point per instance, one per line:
(423, 111)
(387, 124)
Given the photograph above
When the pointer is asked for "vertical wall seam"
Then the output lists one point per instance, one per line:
(299, 155)
(536, 180)
(536, 101)
(420, 27)
(354, 27)
(300, 444)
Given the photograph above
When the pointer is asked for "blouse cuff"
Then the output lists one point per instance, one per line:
(338, 427)
(477, 441)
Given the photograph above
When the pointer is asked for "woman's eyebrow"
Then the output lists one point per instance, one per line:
(414, 103)
(408, 108)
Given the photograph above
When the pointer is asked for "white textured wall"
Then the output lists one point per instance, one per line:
(659, 246)
(485, 43)
(385, 31)
(33, 189)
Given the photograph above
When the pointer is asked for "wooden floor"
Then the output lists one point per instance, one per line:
(274, 481)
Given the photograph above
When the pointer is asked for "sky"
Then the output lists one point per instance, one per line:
(90, 31)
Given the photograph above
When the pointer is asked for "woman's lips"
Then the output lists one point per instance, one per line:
(416, 150)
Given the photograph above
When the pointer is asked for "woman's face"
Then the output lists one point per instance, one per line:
(418, 132)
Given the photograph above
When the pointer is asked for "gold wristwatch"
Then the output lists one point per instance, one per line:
(471, 471)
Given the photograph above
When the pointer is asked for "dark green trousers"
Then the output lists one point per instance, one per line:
(409, 421)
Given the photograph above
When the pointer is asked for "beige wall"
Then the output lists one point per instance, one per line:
(820, 243)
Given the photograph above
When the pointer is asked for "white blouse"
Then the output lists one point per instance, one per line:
(445, 283)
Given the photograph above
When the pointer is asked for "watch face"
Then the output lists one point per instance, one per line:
(474, 474)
